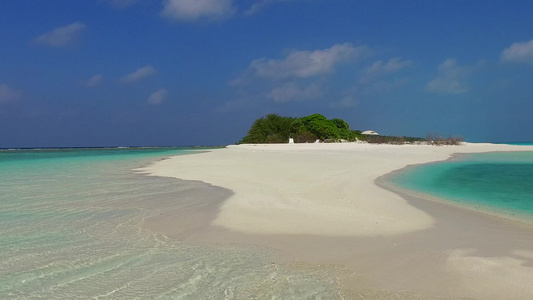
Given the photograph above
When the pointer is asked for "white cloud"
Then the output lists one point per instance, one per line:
(8, 94)
(348, 98)
(379, 68)
(193, 10)
(347, 101)
(157, 97)
(292, 92)
(95, 80)
(298, 75)
(519, 52)
(139, 74)
(302, 64)
(393, 65)
(451, 79)
(240, 81)
(260, 5)
(61, 36)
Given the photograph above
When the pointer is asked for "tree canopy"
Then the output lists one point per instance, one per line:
(269, 129)
(277, 129)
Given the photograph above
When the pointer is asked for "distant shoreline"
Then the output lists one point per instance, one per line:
(112, 148)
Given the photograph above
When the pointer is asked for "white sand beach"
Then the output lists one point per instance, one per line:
(315, 189)
(324, 199)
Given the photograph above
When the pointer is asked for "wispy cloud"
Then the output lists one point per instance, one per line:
(303, 64)
(8, 94)
(259, 5)
(348, 98)
(292, 92)
(157, 97)
(194, 10)
(61, 36)
(139, 74)
(380, 68)
(519, 52)
(378, 78)
(346, 102)
(95, 80)
(393, 65)
(452, 78)
(298, 76)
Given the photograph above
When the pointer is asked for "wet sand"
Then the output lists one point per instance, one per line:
(452, 253)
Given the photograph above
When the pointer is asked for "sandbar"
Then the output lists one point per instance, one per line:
(320, 204)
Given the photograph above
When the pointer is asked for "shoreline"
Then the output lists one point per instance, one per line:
(385, 183)
(289, 182)
(447, 251)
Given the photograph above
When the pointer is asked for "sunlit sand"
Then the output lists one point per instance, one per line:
(324, 196)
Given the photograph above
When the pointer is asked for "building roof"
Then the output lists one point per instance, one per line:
(370, 132)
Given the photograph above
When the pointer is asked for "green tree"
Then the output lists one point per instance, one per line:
(344, 130)
(318, 126)
(340, 123)
(269, 129)
(277, 129)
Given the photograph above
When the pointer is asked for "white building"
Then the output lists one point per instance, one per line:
(370, 132)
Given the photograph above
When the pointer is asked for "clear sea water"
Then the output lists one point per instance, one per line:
(65, 234)
(500, 183)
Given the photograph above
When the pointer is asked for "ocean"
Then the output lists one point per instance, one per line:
(69, 228)
(499, 183)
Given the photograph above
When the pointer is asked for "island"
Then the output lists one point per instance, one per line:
(316, 128)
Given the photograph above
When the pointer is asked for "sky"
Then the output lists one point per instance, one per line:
(199, 72)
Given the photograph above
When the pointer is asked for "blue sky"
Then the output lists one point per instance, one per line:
(199, 72)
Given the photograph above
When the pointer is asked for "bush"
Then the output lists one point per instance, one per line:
(438, 140)
(317, 125)
(276, 129)
(269, 129)
(395, 140)
(340, 123)
(305, 137)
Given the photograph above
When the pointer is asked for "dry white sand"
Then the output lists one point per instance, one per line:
(316, 189)
(320, 203)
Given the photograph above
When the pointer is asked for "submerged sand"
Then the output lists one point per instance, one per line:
(319, 203)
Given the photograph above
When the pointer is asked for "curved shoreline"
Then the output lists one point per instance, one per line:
(459, 253)
(317, 189)
(385, 182)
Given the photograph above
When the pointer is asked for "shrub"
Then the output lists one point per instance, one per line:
(396, 140)
(269, 129)
(438, 140)
(317, 125)
(276, 129)
(305, 137)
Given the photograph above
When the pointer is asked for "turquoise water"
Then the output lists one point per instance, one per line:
(70, 227)
(495, 182)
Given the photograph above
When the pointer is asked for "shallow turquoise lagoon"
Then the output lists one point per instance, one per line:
(66, 233)
(495, 182)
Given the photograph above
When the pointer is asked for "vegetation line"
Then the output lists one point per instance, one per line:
(275, 129)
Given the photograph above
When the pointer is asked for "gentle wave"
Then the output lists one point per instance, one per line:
(69, 228)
